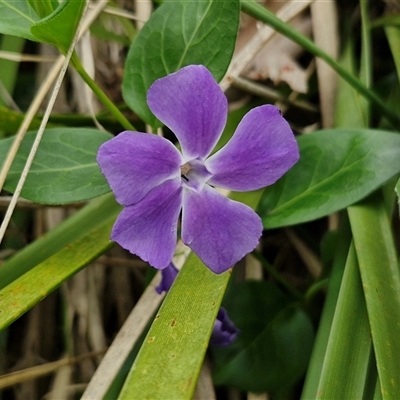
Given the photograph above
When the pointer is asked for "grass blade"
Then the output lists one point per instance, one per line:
(381, 282)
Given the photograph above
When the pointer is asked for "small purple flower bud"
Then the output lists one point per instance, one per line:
(168, 276)
(225, 331)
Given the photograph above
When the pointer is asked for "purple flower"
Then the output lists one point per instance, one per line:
(168, 276)
(224, 330)
(154, 181)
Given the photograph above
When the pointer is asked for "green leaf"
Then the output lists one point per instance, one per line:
(58, 29)
(337, 168)
(17, 17)
(274, 343)
(379, 270)
(311, 383)
(23, 293)
(181, 331)
(177, 34)
(9, 69)
(42, 7)
(64, 169)
(79, 224)
(350, 107)
(348, 360)
(387, 20)
(393, 37)
(178, 336)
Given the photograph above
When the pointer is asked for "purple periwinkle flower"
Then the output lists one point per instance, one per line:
(168, 276)
(224, 332)
(154, 181)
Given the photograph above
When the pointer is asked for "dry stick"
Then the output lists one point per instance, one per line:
(123, 343)
(325, 36)
(7, 98)
(122, 13)
(13, 56)
(264, 91)
(39, 371)
(143, 12)
(240, 60)
(60, 62)
(39, 135)
(310, 259)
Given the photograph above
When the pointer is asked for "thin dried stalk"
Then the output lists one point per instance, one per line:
(59, 68)
(310, 259)
(240, 60)
(38, 371)
(124, 342)
(205, 387)
(325, 34)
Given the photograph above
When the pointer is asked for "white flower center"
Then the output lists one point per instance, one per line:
(194, 175)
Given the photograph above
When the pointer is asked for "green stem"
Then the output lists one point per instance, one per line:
(316, 288)
(257, 11)
(100, 94)
(366, 56)
(277, 276)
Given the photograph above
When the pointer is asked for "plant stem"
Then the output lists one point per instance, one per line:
(276, 275)
(100, 94)
(254, 9)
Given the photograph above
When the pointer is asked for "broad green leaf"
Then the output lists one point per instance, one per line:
(274, 343)
(60, 26)
(379, 270)
(177, 34)
(337, 168)
(64, 169)
(17, 17)
(180, 332)
(28, 290)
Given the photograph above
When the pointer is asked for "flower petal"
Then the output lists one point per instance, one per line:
(149, 227)
(224, 332)
(193, 106)
(168, 276)
(219, 230)
(262, 149)
(134, 163)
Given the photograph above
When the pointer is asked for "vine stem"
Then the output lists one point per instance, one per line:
(278, 277)
(256, 10)
(76, 62)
